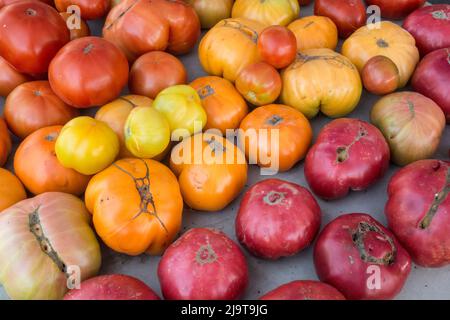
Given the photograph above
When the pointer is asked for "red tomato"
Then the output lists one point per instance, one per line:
(89, 9)
(396, 9)
(277, 219)
(277, 46)
(31, 34)
(348, 15)
(203, 264)
(304, 290)
(7, 2)
(380, 75)
(259, 83)
(304, 2)
(155, 71)
(112, 287)
(10, 78)
(88, 72)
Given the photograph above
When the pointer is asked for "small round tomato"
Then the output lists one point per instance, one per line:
(34, 105)
(115, 115)
(31, 34)
(279, 149)
(36, 165)
(380, 75)
(304, 290)
(87, 145)
(89, 9)
(259, 83)
(155, 71)
(5, 142)
(10, 78)
(182, 107)
(87, 72)
(11, 189)
(78, 28)
(147, 132)
(277, 46)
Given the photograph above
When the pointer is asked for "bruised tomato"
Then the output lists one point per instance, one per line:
(89, 9)
(277, 46)
(304, 290)
(10, 78)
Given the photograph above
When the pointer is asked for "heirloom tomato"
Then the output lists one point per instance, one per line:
(203, 264)
(277, 46)
(45, 241)
(224, 106)
(10, 78)
(76, 70)
(5, 142)
(115, 114)
(259, 83)
(388, 40)
(32, 33)
(411, 123)
(268, 12)
(211, 171)
(281, 148)
(380, 75)
(11, 190)
(396, 9)
(36, 165)
(321, 80)
(155, 71)
(136, 205)
(304, 290)
(34, 105)
(212, 11)
(314, 32)
(361, 258)
(229, 47)
(76, 31)
(89, 9)
(86, 145)
(183, 109)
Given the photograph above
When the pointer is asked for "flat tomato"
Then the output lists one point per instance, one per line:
(396, 9)
(293, 130)
(380, 75)
(211, 12)
(304, 290)
(11, 190)
(224, 106)
(268, 12)
(36, 165)
(277, 46)
(115, 114)
(314, 32)
(34, 105)
(5, 142)
(87, 145)
(31, 35)
(137, 206)
(10, 78)
(259, 83)
(75, 72)
(155, 71)
(89, 9)
(182, 107)
(211, 170)
(79, 31)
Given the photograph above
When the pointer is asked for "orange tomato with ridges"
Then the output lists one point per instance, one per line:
(11, 189)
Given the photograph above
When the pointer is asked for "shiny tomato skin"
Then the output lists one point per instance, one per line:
(10, 78)
(88, 72)
(277, 46)
(304, 290)
(380, 75)
(32, 33)
(396, 9)
(89, 9)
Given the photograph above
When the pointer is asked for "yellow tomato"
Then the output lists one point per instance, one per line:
(182, 107)
(115, 114)
(147, 132)
(87, 145)
(269, 12)
(321, 80)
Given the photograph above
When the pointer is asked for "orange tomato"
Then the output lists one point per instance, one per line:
(294, 139)
(314, 32)
(211, 171)
(5, 142)
(225, 108)
(136, 205)
(36, 165)
(11, 189)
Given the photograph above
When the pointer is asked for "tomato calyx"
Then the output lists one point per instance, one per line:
(382, 43)
(205, 91)
(51, 136)
(250, 33)
(358, 237)
(439, 198)
(440, 15)
(88, 48)
(411, 108)
(36, 229)
(343, 151)
(206, 255)
(30, 12)
(274, 198)
(274, 120)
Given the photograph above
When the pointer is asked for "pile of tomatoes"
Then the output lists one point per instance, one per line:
(125, 175)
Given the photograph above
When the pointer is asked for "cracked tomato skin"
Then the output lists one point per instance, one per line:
(418, 211)
(304, 290)
(361, 258)
(277, 219)
(137, 206)
(203, 264)
(112, 287)
(349, 154)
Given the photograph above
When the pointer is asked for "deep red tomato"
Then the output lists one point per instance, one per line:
(304, 2)
(348, 15)
(418, 211)
(304, 290)
(88, 72)
(10, 77)
(89, 9)
(349, 154)
(31, 34)
(277, 219)
(277, 46)
(361, 258)
(203, 264)
(396, 9)
(155, 71)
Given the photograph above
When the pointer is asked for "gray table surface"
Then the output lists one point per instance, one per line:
(266, 275)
